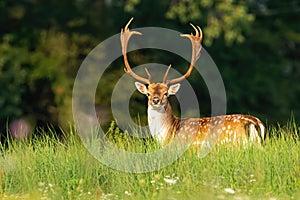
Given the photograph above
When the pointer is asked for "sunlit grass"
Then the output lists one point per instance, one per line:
(49, 167)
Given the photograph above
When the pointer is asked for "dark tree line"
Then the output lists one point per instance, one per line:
(254, 43)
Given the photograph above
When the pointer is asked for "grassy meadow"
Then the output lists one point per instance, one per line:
(48, 167)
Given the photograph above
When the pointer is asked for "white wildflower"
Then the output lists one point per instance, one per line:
(252, 179)
(229, 191)
(172, 180)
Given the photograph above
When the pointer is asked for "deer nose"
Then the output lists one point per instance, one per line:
(155, 101)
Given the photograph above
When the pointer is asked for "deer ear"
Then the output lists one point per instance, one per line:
(141, 88)
(173, 89)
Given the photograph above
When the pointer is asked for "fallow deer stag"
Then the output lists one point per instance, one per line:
(164, 126)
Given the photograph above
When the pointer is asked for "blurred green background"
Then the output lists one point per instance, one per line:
(255, 44)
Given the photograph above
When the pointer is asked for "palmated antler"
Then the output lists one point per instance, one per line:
(125, 36)
(196, 49)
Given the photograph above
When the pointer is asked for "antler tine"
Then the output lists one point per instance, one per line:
(196, 30)
(124, 37)
(196, 49)
(201, 34)
(128, 23)
(166, 75)
(148, 74)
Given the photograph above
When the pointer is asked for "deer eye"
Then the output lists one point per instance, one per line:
(148, 94)
(166, 94)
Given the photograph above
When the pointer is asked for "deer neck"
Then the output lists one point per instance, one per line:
(160, 122)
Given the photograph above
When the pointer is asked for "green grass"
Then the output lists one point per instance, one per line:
(50, 168)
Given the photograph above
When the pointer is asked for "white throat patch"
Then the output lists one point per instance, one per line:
(157, 123)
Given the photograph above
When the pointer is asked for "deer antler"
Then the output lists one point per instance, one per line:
(125, 36)
(196, 49)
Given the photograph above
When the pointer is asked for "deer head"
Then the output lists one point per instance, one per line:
(157, 93)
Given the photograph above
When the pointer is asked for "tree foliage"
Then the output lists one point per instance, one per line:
(12, 78)
(228, 19)
(255, 44)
